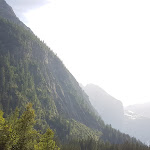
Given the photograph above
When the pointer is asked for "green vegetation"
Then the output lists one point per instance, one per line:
(17, 133)
(31, 73)
(91, 144)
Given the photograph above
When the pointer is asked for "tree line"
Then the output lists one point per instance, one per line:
(17, 132)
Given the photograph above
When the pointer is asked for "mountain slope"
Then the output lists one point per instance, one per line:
(110, 109)
(7, 12)
(31, 72)
(134, 120)
(34, 73)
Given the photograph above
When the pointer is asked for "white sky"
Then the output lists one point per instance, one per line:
(105, 42)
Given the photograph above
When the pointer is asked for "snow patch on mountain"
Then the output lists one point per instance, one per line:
(132, 115)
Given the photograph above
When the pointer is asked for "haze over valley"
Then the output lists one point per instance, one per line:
(133, 120)
(49, 47)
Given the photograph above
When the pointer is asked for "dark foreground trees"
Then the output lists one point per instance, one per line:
(91, 144)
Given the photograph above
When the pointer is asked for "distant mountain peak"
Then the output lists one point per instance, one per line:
(31, 72)
(7, 12)
(109, 108)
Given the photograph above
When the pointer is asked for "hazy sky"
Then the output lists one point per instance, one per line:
(105, 42)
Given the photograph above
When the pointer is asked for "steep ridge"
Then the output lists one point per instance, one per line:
(34, 73)
(134, 120)
(7, 12)
(110, 109)
(31, 72)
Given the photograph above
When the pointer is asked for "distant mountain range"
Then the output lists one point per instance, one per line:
(31, 72)
(137, 125)
(110, 109)
(133, 120)
(142, 109)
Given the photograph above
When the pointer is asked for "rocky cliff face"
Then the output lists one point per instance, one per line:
(110, 109)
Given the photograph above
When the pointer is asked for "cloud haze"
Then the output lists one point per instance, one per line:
(101, 42)
(22, 6)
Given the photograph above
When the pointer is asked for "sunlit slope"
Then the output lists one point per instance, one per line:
(31, 72)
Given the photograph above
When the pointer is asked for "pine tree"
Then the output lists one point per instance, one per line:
(19, 133)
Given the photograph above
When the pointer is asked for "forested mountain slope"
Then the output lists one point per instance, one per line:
(31, 72)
